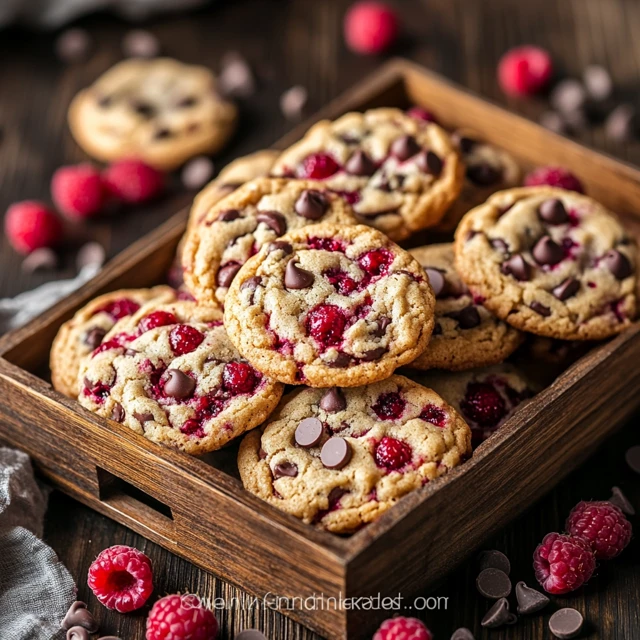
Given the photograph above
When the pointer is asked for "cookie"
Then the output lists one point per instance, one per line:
(551, 262)
(170, 373)
(159, 110)
(330, 305)
(465, 335)
(237, 227)
(400, 174)
(78, 337)
(485, 398)
(339, 458)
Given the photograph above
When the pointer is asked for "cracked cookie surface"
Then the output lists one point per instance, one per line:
(339, 458)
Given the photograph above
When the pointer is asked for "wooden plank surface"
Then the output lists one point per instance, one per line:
(299, 42)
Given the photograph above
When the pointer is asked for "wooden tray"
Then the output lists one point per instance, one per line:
(199, 510)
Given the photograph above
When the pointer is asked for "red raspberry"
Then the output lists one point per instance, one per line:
(184, 339)
(31, 225)
(318, 166)
(156, 319)
(119, 308)
(402, 629)
(181, 617)
(239, 377)
(421, 114)
(434, 415)
(554, 177)
(392, 454)
(563, 563)
(326, 323)
(524, 71)
(133, 181)
(121, 578)
(376, 262)
(389, 406)
(602, 525)
(483, 404)
(370, 27)
(78, 191)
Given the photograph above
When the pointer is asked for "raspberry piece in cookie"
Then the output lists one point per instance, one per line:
(328, 458)
(551, 262)
(171, 374)
(330, 305)
(237, 227)
(399, 173)
(465, 335)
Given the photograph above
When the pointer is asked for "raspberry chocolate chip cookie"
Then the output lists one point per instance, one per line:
(171, 374)
(78, 337)
(485, 398)
(330, 305)
(237, 227)
(465, 335)
(161, 111)
(400, 174)
(338, 458)
(551, 262)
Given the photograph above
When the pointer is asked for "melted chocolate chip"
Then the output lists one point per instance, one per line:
(309, 432)
(274, 220)
(466, 143)
(467, 318)
(541, 309)
(341, 361)
(566, 289)
(162, 133)
(336, 453)
(546, 251)
(335, 494)
(143, 418)
(618, 264)
(360, 164)
(552, 211)
(226, 274)
(374, 354)
(144, 109)
(429, 162)
(79, 616)
(404, 148)
(178, 385)
(280, 245)
(93, 337)
(333, 400)
(381, 328)
(118, 412)
(282, 469)
(229, 215)
(529, 600)
(262, 454)
(311, 204)
(436, 280)
(500, 245)
(297, 278)
(251, 283)
(517, 267)
(484, 174)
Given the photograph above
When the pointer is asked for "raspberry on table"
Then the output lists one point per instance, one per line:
(401, 628)
(602, 525)
(78, 191)
(121, 578)
(553, 177)
(370, 27)
(524, 71)
(133, 181)
(563, 563)
(31, 225)
(181, 617)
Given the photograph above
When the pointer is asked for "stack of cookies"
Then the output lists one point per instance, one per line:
(292, 276)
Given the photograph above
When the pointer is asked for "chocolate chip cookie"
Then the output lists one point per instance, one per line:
(171, 374)
(78, 337)
(399, 173)
(465, 335)
(330, 305)
(339, 458)
(236, 228)
(551, 262)
(160, 110)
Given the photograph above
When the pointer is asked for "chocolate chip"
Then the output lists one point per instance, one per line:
(227, 273)
(517, 267)
(93, 337)
(251, 634)
(374, 354)
(139, 43)
(73, 45)
(130, 352)
(566, 623)
(162, 133)
(274, 220)
(529, 600)
(437, 330)
(333, 400)
(404, 148)
(436, 280)
(553, 211)
(381, 327)
(196, 173)
(90, 254)
(79, 616)
(143, 108)
(293, 101)
(143, 418)
(567, 289)
(360, 164)
(498, 615)
(541, 309)
(466, 143)
(118, 412)
(236, 78)
(297, 278)
(467, 318)
(341, 361)
(597, 82)
(568, 95)
(309, 432)
(281, 245)
(500, 245)
(546, 251)
(429, 162)
(494, 560)
(622, 122)
(283, 469)
(262, 454)
(632, 456)
(462, 634)
(493, 583)
(336, 453)
(311, 204)
(335, 494)
(229, 215)
(618, 264)
(178, 385)
(77, 633)
(620, 500)
(251, 284)
(483, 174)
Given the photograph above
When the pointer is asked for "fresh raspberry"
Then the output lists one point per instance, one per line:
(181, 617)
(156, 319)
(389, 406)
(318, 166)
(421, 114)
(239, 377)
(563, 563)
(370, 27)
(376, 262)
(78, 191)
(325, 244)
(184, 339)
(554, 177)
(326, 323)
(341, 280)
(121, 578)
(119, 308)
(31, 225)
(118, 341)
(133, 181)
(392, 454)
(402, 629)
(434, 415)
(524, 71)
(483, 404)
(602, 525)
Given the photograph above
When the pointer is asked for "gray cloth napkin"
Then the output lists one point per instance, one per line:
(36, 589)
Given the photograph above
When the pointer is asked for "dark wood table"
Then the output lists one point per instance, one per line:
(299, 42)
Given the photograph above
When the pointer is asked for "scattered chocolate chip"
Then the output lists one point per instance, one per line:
(429, 162)
(139, 43)
(566, 623)
(404, 148)
(569, 95)
(360, 164)
(309, 432)
(341, 361)
(178, 385)
(73, 45)
(467, 318)
(484, 174)
(540, 309)
(500, 245)
(91, 254)
(553, 211)
(436, 280)
(553, 121)
(546, 251)
(93, 337)
(77, 633)
(374, 354)
(293, 102)
(465, 143)
(251, 284)
(498, 615)
(297, 278)
(597, 82)
(79, 616)
(517, 267)
(493, 583)
(335, 494)
(283, 469)
(227, 273)
(274, 220)
(118, 412)
(333, 400)
(311, 204)
(196, 173)
(336, 453)
(618, 264)
(143, 108)
(236, 79)
(621, 123)
(162, 133)
(632, 456)
(143, 418)
(494, 560)
(280, 245)
(382, 325)
(620, 500)
(566, 289)
(462, 634)
(529, 600)
(229, 215)
(251, 634)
